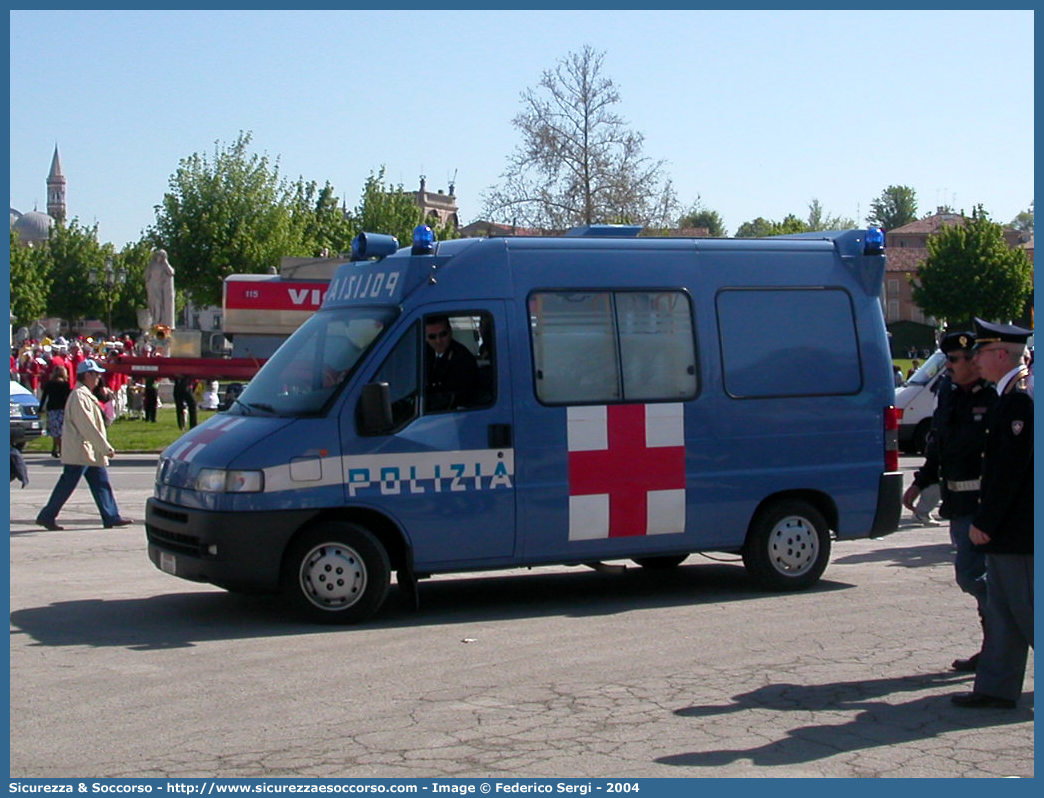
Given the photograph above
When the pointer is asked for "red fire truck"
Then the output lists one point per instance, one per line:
(260, 311)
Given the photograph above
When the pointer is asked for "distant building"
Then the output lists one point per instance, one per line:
(907, 249)
(442, 206)
(56, 188)
(34, 227)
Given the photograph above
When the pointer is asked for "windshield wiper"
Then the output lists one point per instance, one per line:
(257, 406)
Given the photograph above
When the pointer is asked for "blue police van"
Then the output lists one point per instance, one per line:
(609, 396)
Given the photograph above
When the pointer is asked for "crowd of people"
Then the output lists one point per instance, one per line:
(48, 368)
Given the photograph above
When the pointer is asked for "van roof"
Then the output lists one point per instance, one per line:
(847, 242)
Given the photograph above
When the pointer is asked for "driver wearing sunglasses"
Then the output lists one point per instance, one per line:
(451, 371)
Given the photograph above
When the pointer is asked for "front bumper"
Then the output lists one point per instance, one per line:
(29, 428)
(235, 550)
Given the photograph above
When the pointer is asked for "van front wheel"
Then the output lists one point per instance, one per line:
(336, 572)
(788, 545)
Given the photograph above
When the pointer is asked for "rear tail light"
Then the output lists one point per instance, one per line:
(891, 438)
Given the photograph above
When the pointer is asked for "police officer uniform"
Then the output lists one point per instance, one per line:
(953, 460)
(451, 378)
(1005, 514)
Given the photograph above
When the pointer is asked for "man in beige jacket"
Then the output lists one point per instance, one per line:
(85, 453)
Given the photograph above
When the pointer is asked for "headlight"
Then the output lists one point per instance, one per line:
(16, 411)
(218, 480)
(245, 481)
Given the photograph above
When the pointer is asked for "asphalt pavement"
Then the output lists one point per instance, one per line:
(118, 670)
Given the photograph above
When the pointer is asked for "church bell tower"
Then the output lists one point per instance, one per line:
(56, 189)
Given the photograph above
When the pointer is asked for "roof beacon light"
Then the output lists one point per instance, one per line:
(423, 240)
(373, 245)
(874, 243)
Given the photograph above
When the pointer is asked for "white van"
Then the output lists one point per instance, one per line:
(916, 402)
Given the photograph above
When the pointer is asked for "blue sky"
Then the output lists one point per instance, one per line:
(755, 112)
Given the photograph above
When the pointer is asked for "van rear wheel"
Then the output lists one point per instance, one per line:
(336, 572)
(788, 545)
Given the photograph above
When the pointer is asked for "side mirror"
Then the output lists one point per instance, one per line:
(375, 413)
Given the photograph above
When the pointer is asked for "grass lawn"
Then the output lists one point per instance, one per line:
(130, 435)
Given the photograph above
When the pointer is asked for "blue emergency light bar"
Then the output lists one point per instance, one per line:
(373, 245)
(423, 240)
(874, 242)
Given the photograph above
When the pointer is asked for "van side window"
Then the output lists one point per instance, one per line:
(788, 342)
(463, 378)
(612, 346)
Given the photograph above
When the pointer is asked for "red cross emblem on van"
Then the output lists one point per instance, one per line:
(193, 442)
(626, 470)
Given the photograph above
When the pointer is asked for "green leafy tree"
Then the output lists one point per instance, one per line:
(791, 224)
(1024, 221)
(698, 216)
(578, 162)
(756, 228)
(761, 227)
(318, 223)
(896, 206)
(971, 271)
(30, 281)
(225, 214)
(131, 261)
(818, 219)
(73, 254)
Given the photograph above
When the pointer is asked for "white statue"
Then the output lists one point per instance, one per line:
(159, 287)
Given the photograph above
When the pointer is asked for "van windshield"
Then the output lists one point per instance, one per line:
(927, 372)
(312, 364)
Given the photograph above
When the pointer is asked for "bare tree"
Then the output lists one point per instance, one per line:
(578, 162)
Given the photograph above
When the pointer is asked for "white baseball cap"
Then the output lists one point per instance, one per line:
(89, 365)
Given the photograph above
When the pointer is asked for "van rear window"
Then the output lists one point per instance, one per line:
(788, 342)
(612, 346)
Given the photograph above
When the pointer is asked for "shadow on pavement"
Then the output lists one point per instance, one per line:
(902, 556)
(878, 724)
(184, 619)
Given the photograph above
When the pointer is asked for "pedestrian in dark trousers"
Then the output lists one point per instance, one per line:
(184, 399)
(1003, 525)
(953, 461)
(85, 453)
(151, 400)
(18, 469)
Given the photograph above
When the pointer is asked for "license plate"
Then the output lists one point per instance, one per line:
(168, 563)
(34, 425)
